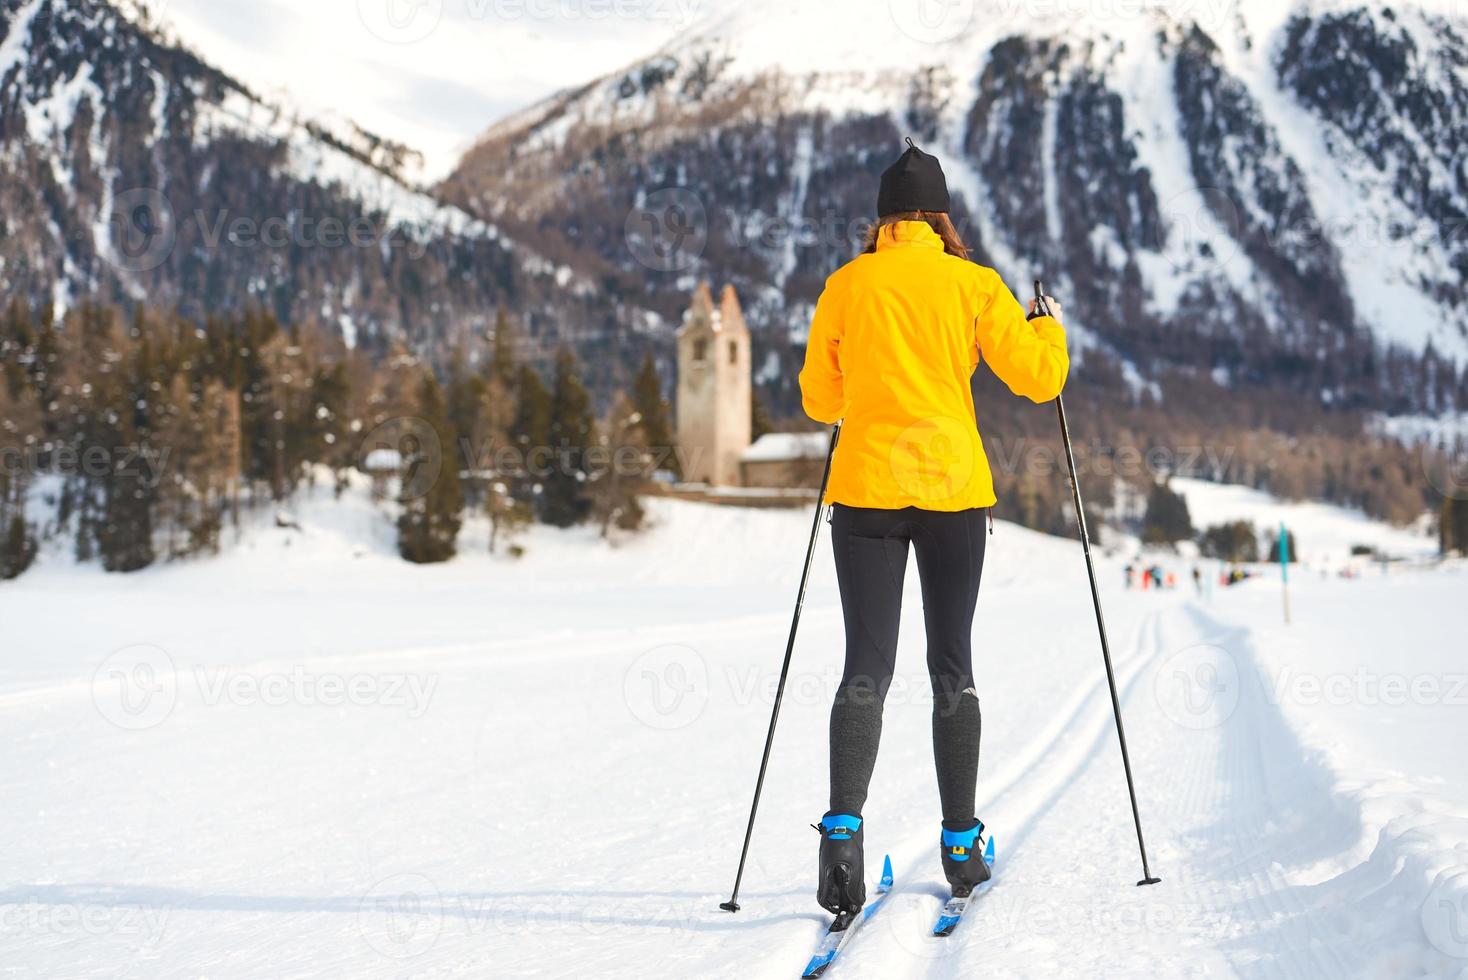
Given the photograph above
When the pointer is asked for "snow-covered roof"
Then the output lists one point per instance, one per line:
(379, 460)
(776, 447)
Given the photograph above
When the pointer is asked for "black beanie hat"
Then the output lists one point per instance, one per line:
(914, 183)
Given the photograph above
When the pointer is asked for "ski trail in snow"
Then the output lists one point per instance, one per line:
(1253, 807)
(1014, 805)
(1225, 810)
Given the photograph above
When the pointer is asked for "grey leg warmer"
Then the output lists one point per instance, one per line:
(856, 731)
(956, 728)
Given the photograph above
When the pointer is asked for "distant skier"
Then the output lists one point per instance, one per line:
(1131, 573)
(1198, 580)
(894, 341)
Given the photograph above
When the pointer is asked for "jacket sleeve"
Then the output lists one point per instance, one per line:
(823, 395)
(1028, 355)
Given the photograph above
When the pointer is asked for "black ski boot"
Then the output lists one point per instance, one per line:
(841, 886)
(963, 855)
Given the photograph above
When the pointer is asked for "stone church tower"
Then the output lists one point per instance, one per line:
(714, 388)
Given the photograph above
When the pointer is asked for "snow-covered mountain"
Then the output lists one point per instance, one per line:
(1266, 193)
(131, 169)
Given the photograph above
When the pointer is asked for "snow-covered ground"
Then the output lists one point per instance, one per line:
(307, 758)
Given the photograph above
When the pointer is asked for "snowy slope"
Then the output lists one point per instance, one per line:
(134, 170)
(1327, 533)
(1210, 193)
(308, 758)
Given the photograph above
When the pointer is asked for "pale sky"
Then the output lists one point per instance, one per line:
(430, 73)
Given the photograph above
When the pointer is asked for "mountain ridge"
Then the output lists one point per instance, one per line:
(1189, 187)
(134, 171)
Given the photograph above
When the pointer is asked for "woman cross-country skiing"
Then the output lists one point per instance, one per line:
(894, 342)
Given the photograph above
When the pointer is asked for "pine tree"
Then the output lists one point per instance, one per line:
(329, 419)
(563, 500)
(619, 467)
(759, 418)
(532, 423)
(1453, 525)
(465, 402)
(655, 416)
(1235, 541)
(1291, 542)
(494, 447)
(1167, 520)
(429, 526)
(124, 526)
(20, 424)
(502, 365)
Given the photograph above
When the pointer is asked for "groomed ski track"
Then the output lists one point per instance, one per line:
(569, 800)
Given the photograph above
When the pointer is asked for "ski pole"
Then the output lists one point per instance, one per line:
(1043, 308)
(732, 905)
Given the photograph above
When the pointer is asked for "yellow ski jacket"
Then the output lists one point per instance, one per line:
(894, 342)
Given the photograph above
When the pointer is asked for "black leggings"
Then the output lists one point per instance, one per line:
(871, 561)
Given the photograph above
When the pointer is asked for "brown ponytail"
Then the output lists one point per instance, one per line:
(937, 220)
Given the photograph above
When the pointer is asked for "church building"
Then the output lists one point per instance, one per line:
(714, 388)
(714, 407)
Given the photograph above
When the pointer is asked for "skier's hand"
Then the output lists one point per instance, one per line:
(1052, 303)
